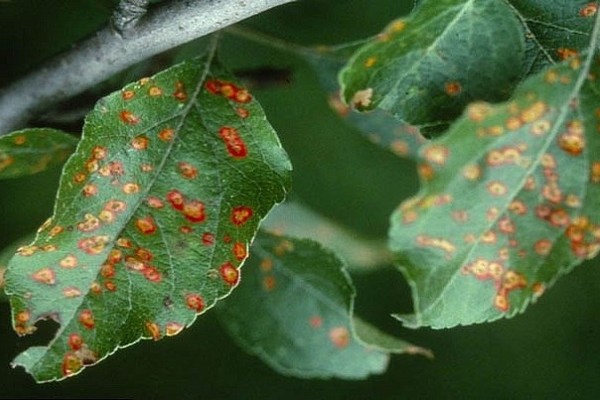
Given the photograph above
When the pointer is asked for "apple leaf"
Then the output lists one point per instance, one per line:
(154, 216)
(294, 311)
(34, 150)
(509, 200)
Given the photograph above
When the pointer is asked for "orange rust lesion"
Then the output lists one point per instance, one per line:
(452, 88)
(440, 243)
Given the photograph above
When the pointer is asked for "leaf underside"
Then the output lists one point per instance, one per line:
(508, 201)
(154, 216)
(294, 311)
(30, 151)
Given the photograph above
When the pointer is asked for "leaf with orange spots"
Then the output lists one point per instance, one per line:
(34, 150)
(508, 201)
(293, 309)
(153, 219)
(378, 126)
(425, 68)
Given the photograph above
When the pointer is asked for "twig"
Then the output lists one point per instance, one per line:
(108, 52)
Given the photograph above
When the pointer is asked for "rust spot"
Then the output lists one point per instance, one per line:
(339, 336)
(194, 302)
(240, 215)
(86, 318)
(45, 275)
(129, 118)
(229, 273)
(452, 88)
(146, 225)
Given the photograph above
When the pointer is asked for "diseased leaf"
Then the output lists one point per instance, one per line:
(554, 30)
(379, 126)
(424, 69)
(509, 201)
(34, 150)
(154, 216)
(294, 311)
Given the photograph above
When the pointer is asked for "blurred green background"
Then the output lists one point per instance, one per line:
(550, 352)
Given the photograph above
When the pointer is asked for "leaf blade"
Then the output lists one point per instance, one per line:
(311, 338)
(529, 216)
(153, 219)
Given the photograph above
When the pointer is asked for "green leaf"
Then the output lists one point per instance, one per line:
(424, 69)
(508, 201)
(34, 150)
(154, 216)
(553, 29)
(379, 126)
(294, 311)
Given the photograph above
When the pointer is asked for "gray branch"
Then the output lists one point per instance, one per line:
(113, 49)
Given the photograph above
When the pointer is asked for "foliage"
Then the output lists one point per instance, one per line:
(160, 204)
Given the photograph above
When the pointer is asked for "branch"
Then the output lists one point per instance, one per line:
(117, 47)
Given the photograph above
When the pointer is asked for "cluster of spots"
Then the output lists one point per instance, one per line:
(180, 94)
(584, 237)
(79, 356)
(518, 116)
(95, 245)
(236, 147)
(29, 250)
(268, 280)
(438, 243)
(95, 165)
(193, 210)
(228, 90)
(22, 323)
(138, 259)
(339, 336)
(171, 329)
(505, 280)
(508, 155)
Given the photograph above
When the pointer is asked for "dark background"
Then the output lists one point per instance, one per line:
(550, 352)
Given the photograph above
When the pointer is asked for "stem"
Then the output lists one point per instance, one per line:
(110, 51)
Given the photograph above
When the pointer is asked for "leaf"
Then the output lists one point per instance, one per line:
(554, 30)
(294, 311)
(34, 150)
(378, 126)
(292, 218)
(154, 216)
(508, 201)
(424, 69)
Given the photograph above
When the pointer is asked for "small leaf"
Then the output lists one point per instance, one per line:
(379, 126)
(34, 150)
(293, 310)
(424, 69)
(154, 216)
(508, 201)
